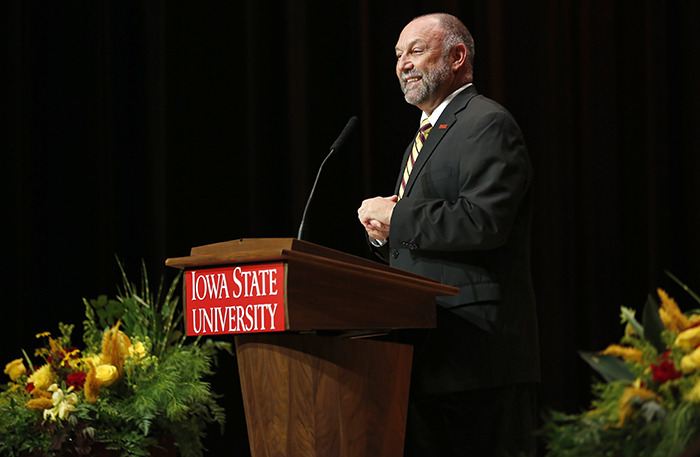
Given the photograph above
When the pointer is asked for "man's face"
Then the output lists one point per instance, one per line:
(420, 67)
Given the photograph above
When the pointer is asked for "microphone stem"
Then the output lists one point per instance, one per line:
(313, 188)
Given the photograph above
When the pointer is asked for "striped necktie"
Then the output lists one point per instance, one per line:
(417, 146)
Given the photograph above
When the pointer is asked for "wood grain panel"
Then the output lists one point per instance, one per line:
(308, 395)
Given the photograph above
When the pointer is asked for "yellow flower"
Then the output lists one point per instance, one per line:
(693, 395)
(42, 378)
(623, 352)
(70, 359)
(40, 403)
(106, 374)
(12, 387)
(688, 339)
(39, 335)
(670, 314)
(55, 347)
(137, 351)
(115, 346)
(625, 403)
(691, 362)
(92, 384)
(40, 393)
(15, 369)
(95, 359)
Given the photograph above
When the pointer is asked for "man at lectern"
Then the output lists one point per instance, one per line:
(461, 214)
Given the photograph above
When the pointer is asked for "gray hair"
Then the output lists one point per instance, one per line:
(455, 33)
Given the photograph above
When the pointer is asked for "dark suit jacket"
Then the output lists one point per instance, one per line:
(465, 220)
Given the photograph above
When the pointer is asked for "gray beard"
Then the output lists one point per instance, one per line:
(429, 83)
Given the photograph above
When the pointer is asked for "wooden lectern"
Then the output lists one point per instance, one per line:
(315, 388)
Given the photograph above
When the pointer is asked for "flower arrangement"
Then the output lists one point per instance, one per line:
(135, 386)
(648, 404)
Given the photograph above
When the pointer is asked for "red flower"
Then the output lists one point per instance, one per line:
(665, 371)
(29, 387)
(77, 379)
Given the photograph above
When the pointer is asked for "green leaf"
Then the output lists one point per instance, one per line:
(628, 316)
(684, 286)
(100, 302)
(115, 308)
(609, 367)
(165, 311)
(102, 314)
(653, 326)
(30, 364)
(89, 312)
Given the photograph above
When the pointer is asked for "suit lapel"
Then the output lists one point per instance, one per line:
(437, 133)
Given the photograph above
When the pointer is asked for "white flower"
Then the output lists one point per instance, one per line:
(62, 404)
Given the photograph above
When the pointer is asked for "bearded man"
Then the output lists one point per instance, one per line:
(461, 215)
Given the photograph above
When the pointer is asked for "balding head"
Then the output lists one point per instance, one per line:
(433, 59)
(454, 33)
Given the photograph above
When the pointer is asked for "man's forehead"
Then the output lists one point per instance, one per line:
(419, 31)
(404, 44)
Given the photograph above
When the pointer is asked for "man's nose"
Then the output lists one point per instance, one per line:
(404, 64)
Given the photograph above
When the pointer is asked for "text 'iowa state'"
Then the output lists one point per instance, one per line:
(240, 299)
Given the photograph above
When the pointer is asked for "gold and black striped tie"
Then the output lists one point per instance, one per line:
(417, 146)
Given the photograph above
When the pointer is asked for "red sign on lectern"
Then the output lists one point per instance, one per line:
(235, 299)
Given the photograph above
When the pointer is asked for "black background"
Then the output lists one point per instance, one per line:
(141, 129)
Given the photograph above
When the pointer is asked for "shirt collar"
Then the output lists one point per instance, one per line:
(441, 107)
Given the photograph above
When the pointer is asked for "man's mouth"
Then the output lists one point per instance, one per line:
(411, 80)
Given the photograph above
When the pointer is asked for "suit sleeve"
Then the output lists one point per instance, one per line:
(475, 209)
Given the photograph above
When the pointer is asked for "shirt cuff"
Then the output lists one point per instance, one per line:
(377, 243)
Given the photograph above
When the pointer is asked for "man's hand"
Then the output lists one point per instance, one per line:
(375, 216)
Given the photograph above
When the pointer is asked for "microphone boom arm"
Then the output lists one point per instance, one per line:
(349, 127)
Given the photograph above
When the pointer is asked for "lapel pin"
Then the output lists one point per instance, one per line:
(442, 126)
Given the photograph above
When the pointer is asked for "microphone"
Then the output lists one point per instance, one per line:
(349, 127)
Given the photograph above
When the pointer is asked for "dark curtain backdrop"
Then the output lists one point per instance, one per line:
(141, 129)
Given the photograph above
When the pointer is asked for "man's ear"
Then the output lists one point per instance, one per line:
(459, 56)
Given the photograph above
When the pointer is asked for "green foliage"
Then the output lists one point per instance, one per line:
(17, 427)
(609, 367)
(162, 392)
(141, 313)
(160, 312)
(586, 435)
(647, 406)
(684, 286)
(653, 327)
(577, 436)
(627, 315)
(165, 397)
